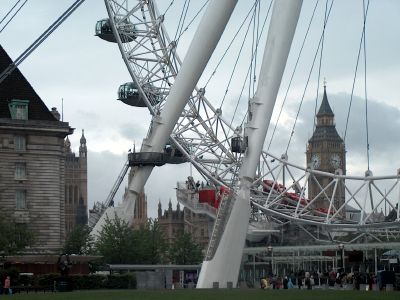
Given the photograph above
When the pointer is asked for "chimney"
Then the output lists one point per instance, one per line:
(55, 113)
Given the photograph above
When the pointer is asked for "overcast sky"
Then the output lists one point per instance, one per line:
(86, 71)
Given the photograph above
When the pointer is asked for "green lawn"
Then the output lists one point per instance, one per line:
(234, 294)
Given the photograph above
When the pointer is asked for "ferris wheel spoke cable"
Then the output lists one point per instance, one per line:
(292, 76)
(192, 20)
(169, 6)
(237, 58)
(365, 81)
(319, 72)
(228, 48)
(248, 71)
(4, 74)
(182, 18)
(355, 72)
(248, 74)
(12, 17)
(308, 81)
(319, 68)
(255, 58)
(9, 12)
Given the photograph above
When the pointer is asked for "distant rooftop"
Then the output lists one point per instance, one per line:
(16, 86)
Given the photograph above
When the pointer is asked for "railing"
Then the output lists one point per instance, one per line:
(190, 199)
(220, 222)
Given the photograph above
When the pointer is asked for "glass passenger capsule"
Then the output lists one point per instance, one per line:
(104, 31)
(129, 94)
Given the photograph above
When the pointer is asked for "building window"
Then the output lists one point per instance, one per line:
(71, 195)
(19, 143)
(76, 195)
(18, 109)
(20, 198)
(20, 170)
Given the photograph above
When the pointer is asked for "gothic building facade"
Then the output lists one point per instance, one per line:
(75, 185)
(326, 152)
(32, 161)
(173, 222)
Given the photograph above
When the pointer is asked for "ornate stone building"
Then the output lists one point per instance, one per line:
(326, 152)
(200, 226)
(75, 185)
(172, 222)
(32, 161)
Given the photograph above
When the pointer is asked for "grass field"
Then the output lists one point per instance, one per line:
(234, 294)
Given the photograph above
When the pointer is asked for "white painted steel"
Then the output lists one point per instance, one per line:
(224, 266)
(202, 134)
(280, 35)
(202, 46)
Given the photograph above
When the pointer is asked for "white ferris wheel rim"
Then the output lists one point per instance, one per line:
(162, 38)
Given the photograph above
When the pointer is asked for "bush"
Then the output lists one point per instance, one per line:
(47, 279)
(26, 280)
(88, 282)
(79, 282)
(123, 281)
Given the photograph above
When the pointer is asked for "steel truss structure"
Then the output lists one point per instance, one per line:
(182, 115)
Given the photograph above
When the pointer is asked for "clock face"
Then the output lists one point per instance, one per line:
(335, 161)
(315, 161)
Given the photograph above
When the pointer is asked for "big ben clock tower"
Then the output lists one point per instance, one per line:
(326, 152)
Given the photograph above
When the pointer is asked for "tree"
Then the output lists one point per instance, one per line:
(79, 241)
(184, 251)
(116, 242)
(151, 246)
(14, 236)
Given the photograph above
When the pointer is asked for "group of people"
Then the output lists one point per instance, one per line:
(277, 283)
(306, 280)
(298, 280)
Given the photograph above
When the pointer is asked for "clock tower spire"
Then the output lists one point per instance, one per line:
(326, 152)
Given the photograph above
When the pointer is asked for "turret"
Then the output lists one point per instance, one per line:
(82, 147)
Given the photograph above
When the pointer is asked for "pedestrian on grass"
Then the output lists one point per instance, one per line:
(7, 286)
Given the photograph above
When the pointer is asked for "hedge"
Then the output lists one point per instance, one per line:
(78, 282)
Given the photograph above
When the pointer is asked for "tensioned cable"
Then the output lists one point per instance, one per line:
(178, 28)
(4, 74)
(308, 80)
(192, 20)
(355, 73)
(237, 58)
(255, 57)
(169, 6)
(365, 81)
(291, 78)
(12, 17)
(229, 46)
(252, 50)
(319, 68)
(12, 8)
(248, 72)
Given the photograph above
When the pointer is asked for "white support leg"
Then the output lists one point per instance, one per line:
(202, 46)
(225, 265)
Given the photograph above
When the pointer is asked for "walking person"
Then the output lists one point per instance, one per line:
(7, 286)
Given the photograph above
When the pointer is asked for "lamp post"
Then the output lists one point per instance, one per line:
(341, 247)
(272, 258)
